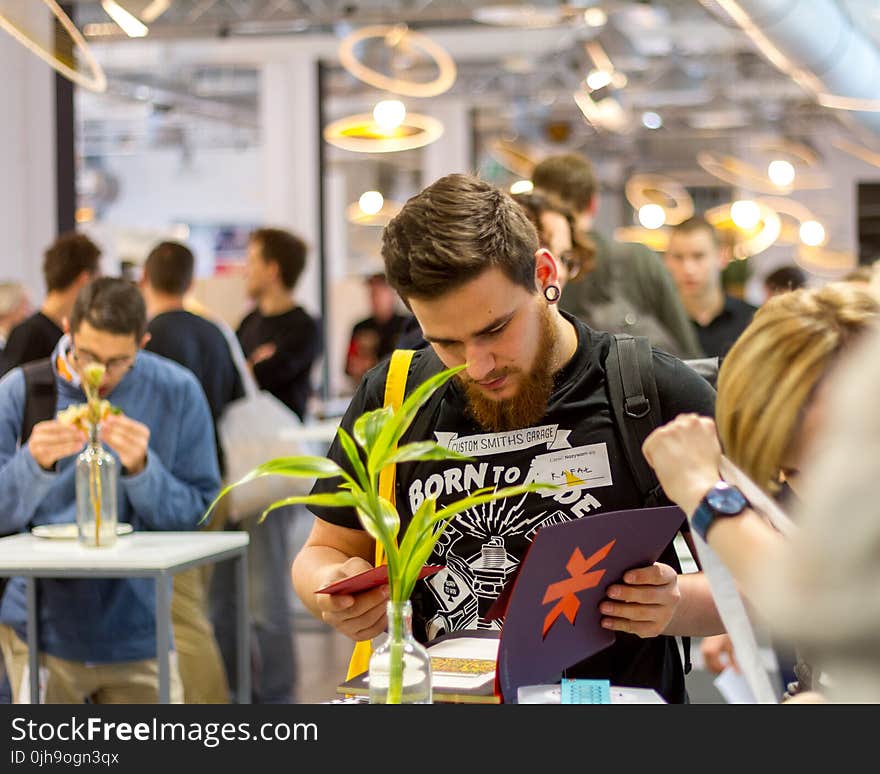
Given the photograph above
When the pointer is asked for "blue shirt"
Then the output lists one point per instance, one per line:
(111, 620)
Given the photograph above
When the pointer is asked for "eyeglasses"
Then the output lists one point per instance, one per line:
(116, 365)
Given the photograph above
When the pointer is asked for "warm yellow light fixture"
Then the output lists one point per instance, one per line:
(745, 242)
(652, 216)
(399, 39)
(389, 114)
(745, 213)
(522, 186)
(364, 213)
(127, 21)
(371, 202)
(361, 133)
(812, 233)
(61, 62)
(669, 194)
(781, 173)
(742, 174)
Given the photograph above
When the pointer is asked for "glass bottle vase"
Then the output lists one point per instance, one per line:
(400, 667)
(96, 474)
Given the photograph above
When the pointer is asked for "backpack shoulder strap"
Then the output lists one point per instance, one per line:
(40, 396)
(635, 404)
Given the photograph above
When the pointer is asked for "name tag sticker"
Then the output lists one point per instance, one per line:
(583, 467)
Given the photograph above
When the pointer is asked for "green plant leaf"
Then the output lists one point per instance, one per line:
(422, 519)
(295, 467)
(368, 427)
(354, 457)
(382, 522)
(393, 430)
(424, 450)
(340, 499)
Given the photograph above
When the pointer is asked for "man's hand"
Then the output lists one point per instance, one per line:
(717, 652)
(358, 616)
(644, 603)
(261, 353)
(129, 439)
(52, 440)
(685, 454)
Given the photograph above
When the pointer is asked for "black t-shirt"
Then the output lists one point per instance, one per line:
(579, 416)
(200, 346)
(719, 336)
(297, 339)
(32, 339)
(376, 340)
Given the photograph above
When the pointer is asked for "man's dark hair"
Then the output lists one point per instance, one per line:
(286, 250)
(693, 225)
(785, 278)
(112, 305)
(169, 268)
(452, 232)
(568, 177)
(68, 257)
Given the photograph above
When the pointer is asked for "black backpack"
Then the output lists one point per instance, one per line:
(635, 403)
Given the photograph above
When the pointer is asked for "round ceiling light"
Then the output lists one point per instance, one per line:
(401, 41)
(652, 216)
(361, 133)
(669, 194)
(739, 173)
(363, 213)
(812, 233)
(791, 213)
(59, 59)
(781, 173)
(744, 242)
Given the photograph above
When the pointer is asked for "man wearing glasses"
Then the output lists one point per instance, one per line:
(97, 637)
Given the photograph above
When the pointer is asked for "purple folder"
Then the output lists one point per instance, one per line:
(552, 617)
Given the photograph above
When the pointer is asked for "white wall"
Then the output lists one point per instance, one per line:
(27, 161)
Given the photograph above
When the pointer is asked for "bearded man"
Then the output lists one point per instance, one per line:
(466, 260)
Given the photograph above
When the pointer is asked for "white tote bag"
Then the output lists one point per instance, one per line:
(253, 430)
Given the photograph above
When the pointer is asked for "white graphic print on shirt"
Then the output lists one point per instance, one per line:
(482, 547)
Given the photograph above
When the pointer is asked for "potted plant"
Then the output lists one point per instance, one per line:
(373, 448)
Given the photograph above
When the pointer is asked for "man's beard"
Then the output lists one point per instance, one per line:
(529, 403)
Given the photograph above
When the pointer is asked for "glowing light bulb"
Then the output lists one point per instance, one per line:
(780, 172)
(652, 215)
(745, 214)
(522, 186)
(651, 120)
(389, 114)
(597, 79)
(812, 233)
(371, 202)
(595, 17)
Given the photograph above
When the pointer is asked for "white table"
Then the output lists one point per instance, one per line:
(158, 555)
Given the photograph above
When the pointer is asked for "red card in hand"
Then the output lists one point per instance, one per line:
(370, 579)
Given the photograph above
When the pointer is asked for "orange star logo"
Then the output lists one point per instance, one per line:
(580, 578)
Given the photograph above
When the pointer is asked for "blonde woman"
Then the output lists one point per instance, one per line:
(771, 403)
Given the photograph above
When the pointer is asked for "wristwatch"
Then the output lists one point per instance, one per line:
(721, 500)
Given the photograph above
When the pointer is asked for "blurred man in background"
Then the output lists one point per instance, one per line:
(695, 262)
(68, 264)
(626, 289)
(375, 337)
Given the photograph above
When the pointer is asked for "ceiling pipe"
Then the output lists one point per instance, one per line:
(816, 43)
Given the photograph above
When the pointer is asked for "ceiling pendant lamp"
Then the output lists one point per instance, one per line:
(400, 42)
(16, 17)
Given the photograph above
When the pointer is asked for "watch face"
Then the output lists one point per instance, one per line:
(726, 499)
